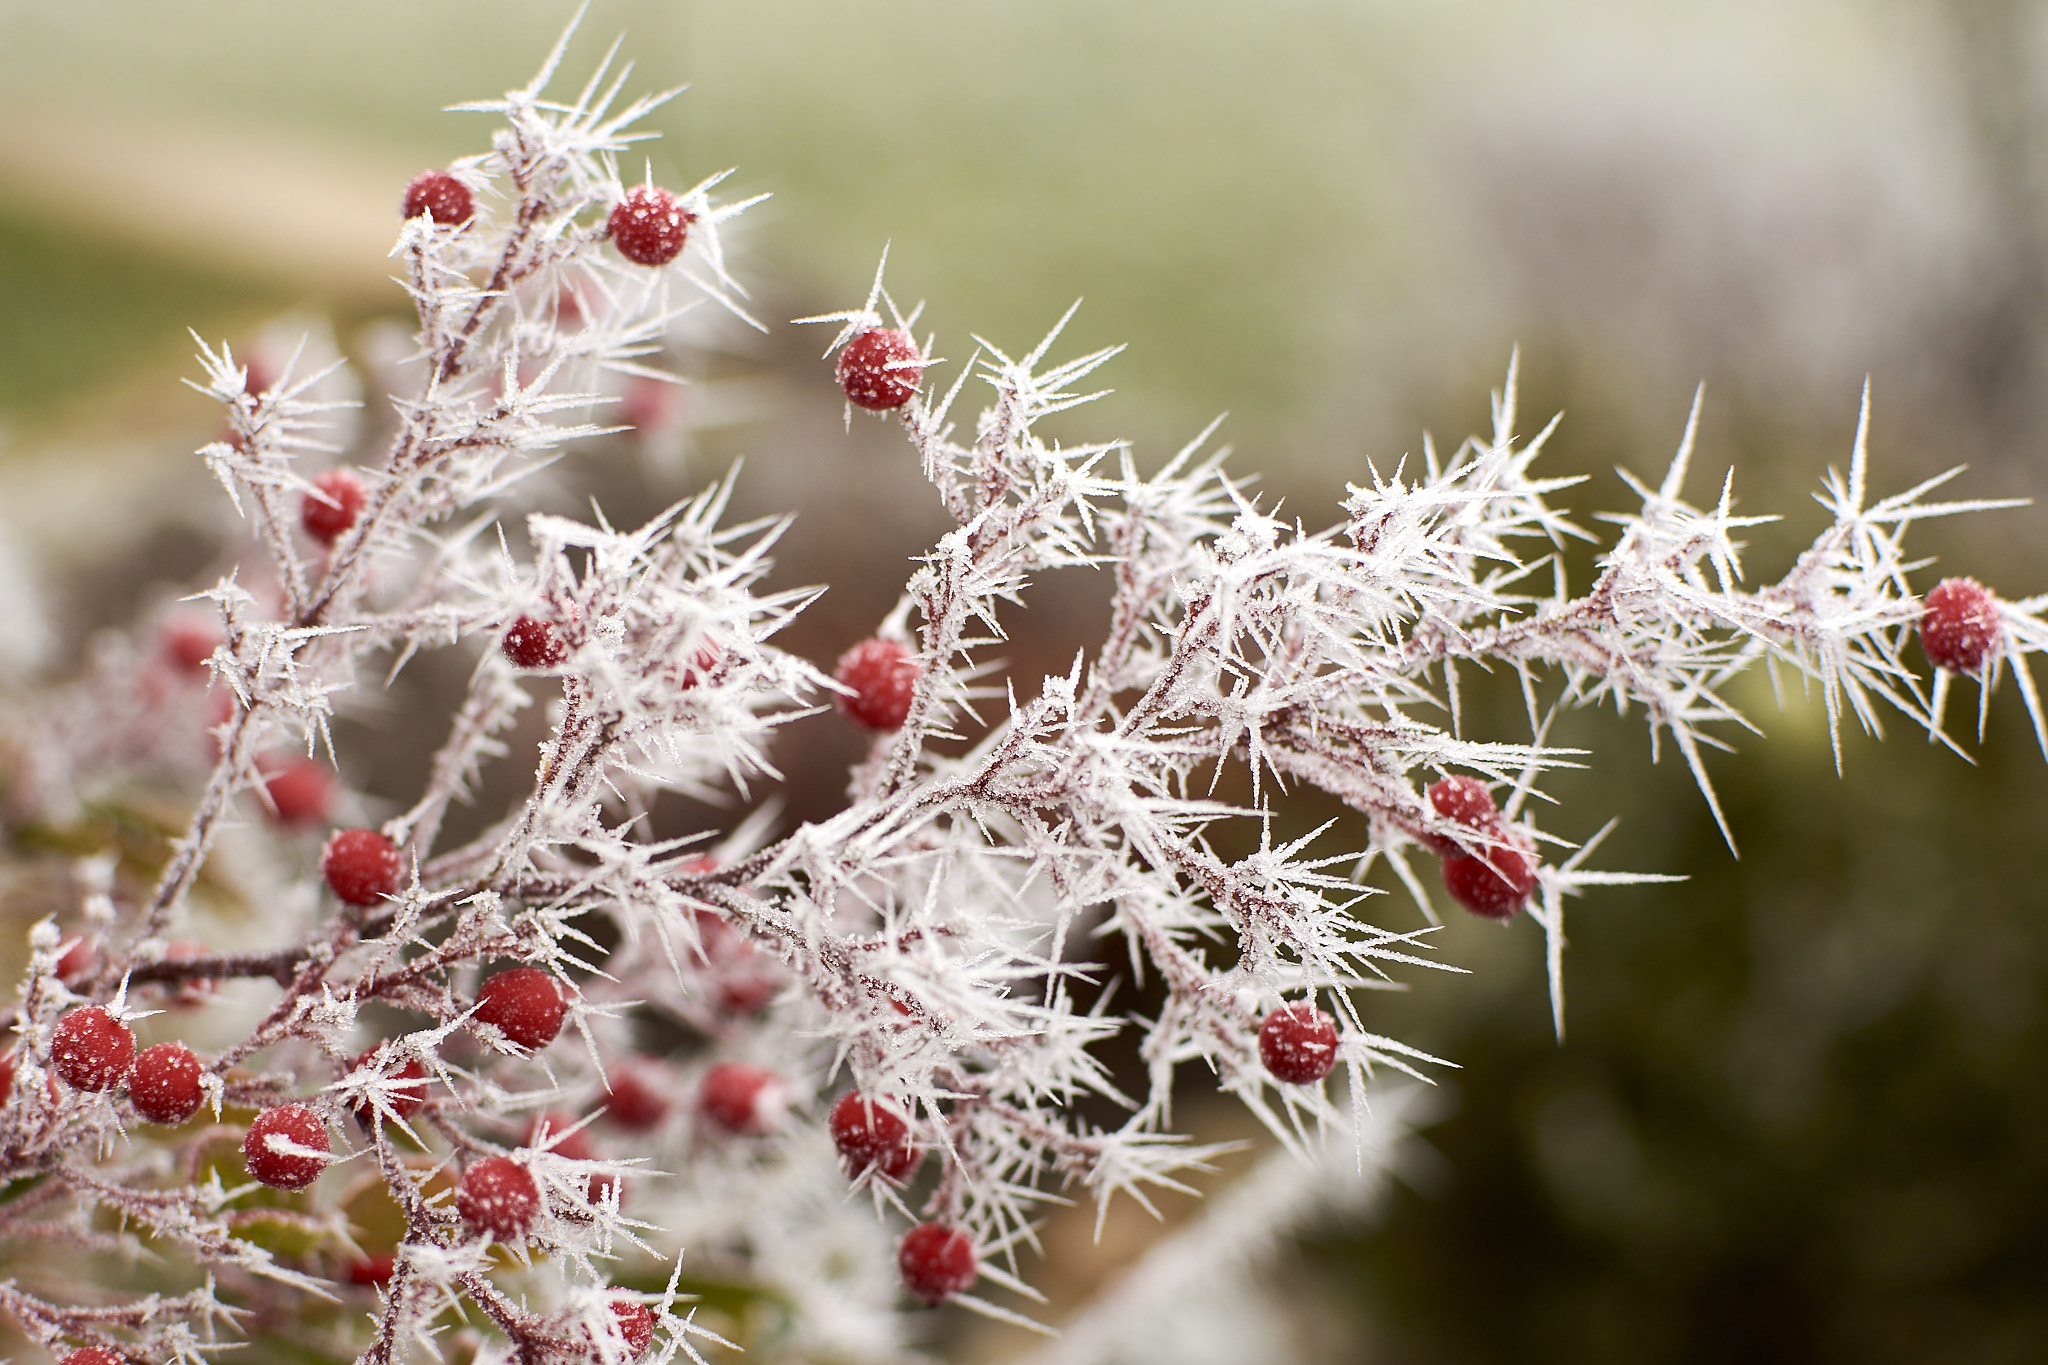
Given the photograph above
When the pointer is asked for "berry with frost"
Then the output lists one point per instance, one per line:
(1465, 802)
(80, 958)
(636, 1324)
(165, 1084)
(868, 1133)
(740, 1098)
(1959, 625)
(1298, 1044)
(558, 1134)
(531, 643)
(745, 979)
(404, 1098)
(92, 1355)
(937, 1261)
(497, 1198)
(91, 1049)
(882, 675)
(1493, 884)
(649, 226)
(634, 1102)
(880, 369)
(525, 1004)
(268, 1149)
(440, 195)
(361, 866)
(331, 510)
(299, 789)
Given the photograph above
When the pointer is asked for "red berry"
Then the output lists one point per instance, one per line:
(299, 790)
(361, 866)
(1959, 628)
(92, 1049)
(6, 1078)
(92, 1355)
(497, 1197)
(332, 510)
(442, 195)
(937, 1261)
(1464, 801)
(266, 1148)
(882, 675)
(554, 1130)
(741, 1098)
(636, 1324)
(634, 1102)
(745, 979)
(405, 1090)
(648, 226)
(1298, 1044)
(531, 643)
(1493, 885)
(525, 1004)
(165, 1083)
(880, 369)
(78, 960)
(370, 1271)
(190, 643)
(870, 1133)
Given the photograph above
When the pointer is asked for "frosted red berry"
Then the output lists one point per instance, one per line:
(1298, 1044)
(265, 1152)
(1465, 802)
(370, 1271)
(634, 1101)
(649, 225)
(78, 960)
(188, 644)
(869, 1133)
(92, 1355)
(1959, 628)
(883, 675)
(1493, 884)
(525, 1004)
(164, 1085)
(299, 789)
(741, 1098)
(332, 510)
(405, 1088)
(559, 1134)
(440, 194)
(880, 369)
(92, 1049)
(636, 1324)
(937, 1261)
(497, 1197)
(361, 866)
(533, 643)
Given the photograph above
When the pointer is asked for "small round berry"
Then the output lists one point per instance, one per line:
(532, 643)
(1492, 886)
(269, 1153)
(870, 1133)
(361, 866)
(165, 1084)
(937, 1261)
(92, 1355)
(741, 1098)
(636, 1324)
(189, 643)
(79, 959)
(370, 1271)
(883, 676)
(442, 195)
(1959, 628)
(1298, 1044)
(1465, 802)
(332, 510)
(405, 1090)
(634, 1101)
(649, 226)
(525, 1004)
(299, 789)
(880, 369)
(497, 1198)
(559, 1134)
(92, 1049)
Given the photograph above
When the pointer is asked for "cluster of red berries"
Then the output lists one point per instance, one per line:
(1485, 869)
(649, 226)
(882, 677)
(91, 1050)
(881, 369)
(1959, 628)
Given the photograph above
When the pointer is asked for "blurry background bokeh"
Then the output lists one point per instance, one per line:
(1801, 1114)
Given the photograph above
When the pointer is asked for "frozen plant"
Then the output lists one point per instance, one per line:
(438, 1128)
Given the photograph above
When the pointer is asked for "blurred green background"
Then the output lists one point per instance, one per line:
(1799, 1116)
